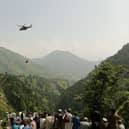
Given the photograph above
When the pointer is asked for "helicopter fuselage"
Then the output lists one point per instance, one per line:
(25, 27)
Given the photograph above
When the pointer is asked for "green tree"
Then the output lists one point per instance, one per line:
(105, 87)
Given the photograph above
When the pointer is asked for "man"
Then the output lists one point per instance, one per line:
(105, 123)
(113, 120)
(68, 119)
(84, 124)
(120, 124)
(76, 121)
(49, 121)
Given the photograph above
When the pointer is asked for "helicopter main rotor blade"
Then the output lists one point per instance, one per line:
(19, 25)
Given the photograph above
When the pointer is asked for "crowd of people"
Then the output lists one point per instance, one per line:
(63, 119)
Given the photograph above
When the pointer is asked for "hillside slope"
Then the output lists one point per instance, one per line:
(105, 87)
(14, 63)
(121, 57)
(30, 93)
(66, 65)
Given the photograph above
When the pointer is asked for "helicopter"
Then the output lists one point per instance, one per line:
(24, 27)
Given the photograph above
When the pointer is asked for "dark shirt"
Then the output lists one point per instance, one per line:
(76, 122)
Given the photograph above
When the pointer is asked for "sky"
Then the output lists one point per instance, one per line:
(91, 29)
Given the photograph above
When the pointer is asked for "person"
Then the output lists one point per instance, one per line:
(42, 119)
(105, 123)
(67, 118)
(37, 120)
(113, 119)
(11, 119)
(16, 125)
(75, 121)
(27, 124)
(58, 120)
(120, 124)
(96, 120)
(84, 124)
(48, 123)
(21, 125)
(33, 124)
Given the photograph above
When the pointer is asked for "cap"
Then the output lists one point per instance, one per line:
(105, 119)
(85, 118)
(59, 110)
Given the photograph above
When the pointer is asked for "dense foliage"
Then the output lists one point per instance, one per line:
(106, 86)
(31, 93)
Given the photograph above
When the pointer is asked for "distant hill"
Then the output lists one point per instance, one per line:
(121, 57)
(64, 64)
(14, 63)
(58, 64)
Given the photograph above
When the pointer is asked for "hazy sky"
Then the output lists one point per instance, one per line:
(92, 29)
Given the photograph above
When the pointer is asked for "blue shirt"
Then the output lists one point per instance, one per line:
(76, 122)
(15, 126)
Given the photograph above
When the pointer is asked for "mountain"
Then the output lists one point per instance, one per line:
(64, 64)
(14, 63)
(58, 64)
(121, 57)
(105, 87)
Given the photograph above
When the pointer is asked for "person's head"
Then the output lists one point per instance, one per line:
(96, 116)
(69, 110)
(113, 110)
(49, 114)
(59, 110)
(17, 121)
(27, 122)
(85, 119)
(75, 113)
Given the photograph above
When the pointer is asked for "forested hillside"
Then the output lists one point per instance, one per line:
(121, 57)
(14, 63)
(30, 93)
(106, 87)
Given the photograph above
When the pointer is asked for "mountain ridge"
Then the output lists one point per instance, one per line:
(67, 64)
(55, 52)
(58, 64)
(14, 63)
(121, 57)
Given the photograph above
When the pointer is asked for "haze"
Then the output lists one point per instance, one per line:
(91, 29)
